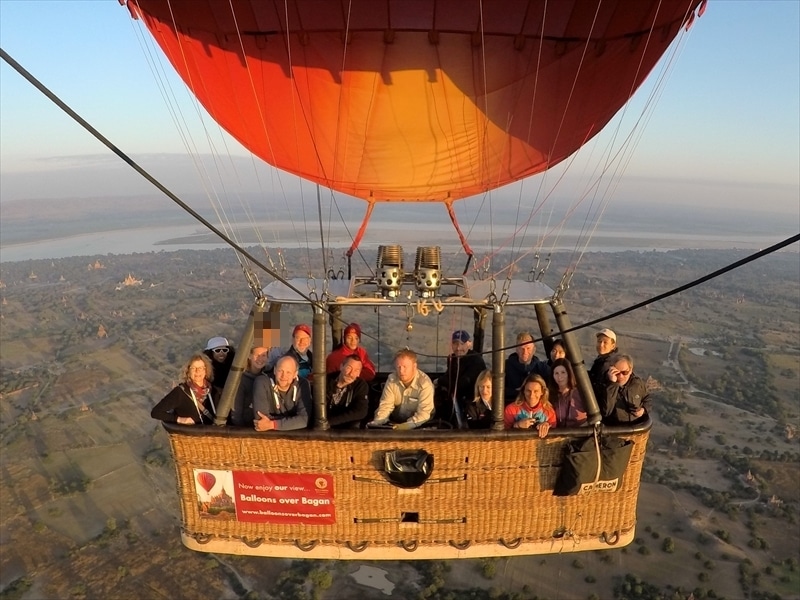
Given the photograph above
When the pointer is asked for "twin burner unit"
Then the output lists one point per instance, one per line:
(427, 276)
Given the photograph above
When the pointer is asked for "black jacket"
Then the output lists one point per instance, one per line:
(619, 402)
(461, 374)
(242, 409)
(479, 416)
(516, 372)
(351, 406)
(179, 403)
(598, 374)
(221, 369)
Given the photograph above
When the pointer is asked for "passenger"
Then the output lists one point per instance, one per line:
(194, 399)
(607, 354)
(568, 402)
(242, 410)
(407, 399)
(532, 408)
(626, 398)
(283, 403)
(347, 395)
(479, 411)
(463, 367)
(522, 363)
(299, 350)
(557, 350)
(221, 353)
(351, 340)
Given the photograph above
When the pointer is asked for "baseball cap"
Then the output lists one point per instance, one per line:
(608, 333)
(460, 336)
(302, 327)
(217, 342)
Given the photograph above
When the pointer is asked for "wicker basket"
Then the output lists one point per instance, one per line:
(489, 494)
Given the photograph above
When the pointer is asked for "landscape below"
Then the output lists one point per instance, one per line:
(88, 506)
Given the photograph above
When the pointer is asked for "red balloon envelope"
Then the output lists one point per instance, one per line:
(399, 100)
(206, 480)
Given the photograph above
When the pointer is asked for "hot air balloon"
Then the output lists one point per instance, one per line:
(411, 101)
(423, 101)
(206, 480)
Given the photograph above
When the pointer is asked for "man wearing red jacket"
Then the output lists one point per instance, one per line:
(350, 345)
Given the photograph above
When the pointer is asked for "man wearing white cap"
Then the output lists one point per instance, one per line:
(221, 353)
(607, 353)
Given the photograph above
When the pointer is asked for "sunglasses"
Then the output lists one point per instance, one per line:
(220, 350)
(623, 373)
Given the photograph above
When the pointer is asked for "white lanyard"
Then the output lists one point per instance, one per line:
(277, 398)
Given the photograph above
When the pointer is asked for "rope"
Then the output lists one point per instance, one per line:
(135, 166)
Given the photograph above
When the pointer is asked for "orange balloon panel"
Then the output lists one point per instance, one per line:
(404, 100)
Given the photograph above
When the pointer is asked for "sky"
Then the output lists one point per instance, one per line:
(724, 132)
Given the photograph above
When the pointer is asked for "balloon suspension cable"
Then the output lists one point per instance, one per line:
(135, 166)
(461, 236)
(543, 270)
(563, 285)
(735, 265)
(568, 276)
(253, 283)
(321, 232)
(360, 233)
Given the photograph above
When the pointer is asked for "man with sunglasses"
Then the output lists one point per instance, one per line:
(221, 353)
(626, 398)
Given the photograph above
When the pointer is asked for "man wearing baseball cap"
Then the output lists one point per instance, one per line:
(607, 353)
(457, 386)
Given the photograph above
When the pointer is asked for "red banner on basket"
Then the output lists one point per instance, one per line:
(286, 498)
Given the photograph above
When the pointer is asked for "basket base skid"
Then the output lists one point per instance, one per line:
(436, 552)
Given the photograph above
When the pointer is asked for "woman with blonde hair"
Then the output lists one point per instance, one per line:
(532, 408)
(479, 411)
(193, 400)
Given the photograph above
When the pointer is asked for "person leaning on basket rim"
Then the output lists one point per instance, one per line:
(407, 399)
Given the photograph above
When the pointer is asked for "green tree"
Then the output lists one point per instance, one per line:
(489, 568)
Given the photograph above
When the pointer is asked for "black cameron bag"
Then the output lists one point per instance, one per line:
(579, 473)
(408, 468)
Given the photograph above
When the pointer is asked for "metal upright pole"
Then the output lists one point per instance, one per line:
(544, 326)
(575, 357)
(318, 369)
(336, 325)
(498, 366)
(238, 366)
(479, 328)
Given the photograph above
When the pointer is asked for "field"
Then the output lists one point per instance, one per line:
(88, 505)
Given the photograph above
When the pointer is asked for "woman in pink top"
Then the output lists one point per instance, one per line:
(568, 402)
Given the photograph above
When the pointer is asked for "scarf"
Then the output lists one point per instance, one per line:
(199, 394)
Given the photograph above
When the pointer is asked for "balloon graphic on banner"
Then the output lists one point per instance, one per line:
(206, 480)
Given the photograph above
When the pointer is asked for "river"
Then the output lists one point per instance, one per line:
(155, 239)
